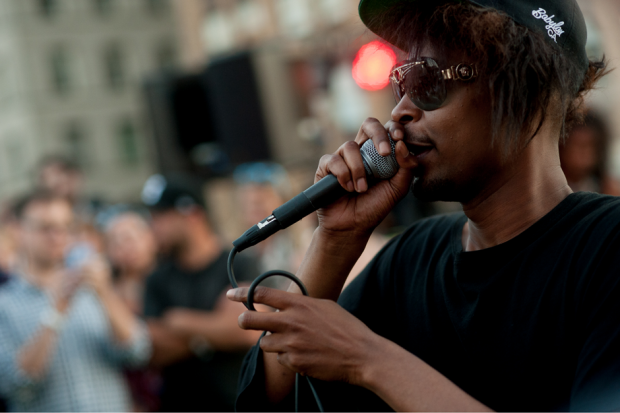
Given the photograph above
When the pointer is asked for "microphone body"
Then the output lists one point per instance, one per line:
(319, 195)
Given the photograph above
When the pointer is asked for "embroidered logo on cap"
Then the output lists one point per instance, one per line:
(553, 29)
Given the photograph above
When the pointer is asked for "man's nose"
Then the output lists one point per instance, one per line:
(406, 112)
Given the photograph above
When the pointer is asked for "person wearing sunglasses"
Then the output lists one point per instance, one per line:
(513, 304)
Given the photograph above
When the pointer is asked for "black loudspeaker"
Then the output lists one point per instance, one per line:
(207, 123)
(236, 110)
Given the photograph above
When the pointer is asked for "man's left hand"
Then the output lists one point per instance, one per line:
(311, 336)
(97, 274)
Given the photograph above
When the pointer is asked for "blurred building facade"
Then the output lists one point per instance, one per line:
(304, 50)
(603, 21)
(70, 76)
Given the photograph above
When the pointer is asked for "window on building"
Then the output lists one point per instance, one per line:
(77, 148)
(157, 6)
(165, 55)
(48, 8)
(60, 70)
(114, 67)
(103, 7)
(15, 158)
(127, 140)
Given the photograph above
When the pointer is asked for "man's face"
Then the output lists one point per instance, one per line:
(60, 181)
(45, 231)
(461, 160)
(169, 230)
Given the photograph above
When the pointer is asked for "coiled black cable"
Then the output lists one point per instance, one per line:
(250, 306)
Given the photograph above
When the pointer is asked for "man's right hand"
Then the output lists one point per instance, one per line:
(65, 290)
(362, 213)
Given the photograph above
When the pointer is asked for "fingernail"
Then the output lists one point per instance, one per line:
(404, 151)
(350, 186)
(361, 185)
(384, 148)
(398, 134)
(231, 293)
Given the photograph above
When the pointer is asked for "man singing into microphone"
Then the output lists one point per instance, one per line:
(512, 305)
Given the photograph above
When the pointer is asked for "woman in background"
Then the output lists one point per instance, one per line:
(584, 157)
(131, 250)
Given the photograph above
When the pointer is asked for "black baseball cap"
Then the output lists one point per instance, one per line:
(560, 21)
(161, 193)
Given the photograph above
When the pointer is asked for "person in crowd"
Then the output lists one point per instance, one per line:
(193, 327)
(512, 304)
(64, 334)
(61, 176)
(584, 157)
(132, 252)
(8, 237)
(261, 188)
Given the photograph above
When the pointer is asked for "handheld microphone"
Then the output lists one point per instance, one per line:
(321, 194)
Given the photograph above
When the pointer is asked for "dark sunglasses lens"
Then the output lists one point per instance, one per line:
(426, 86)
(398, 94)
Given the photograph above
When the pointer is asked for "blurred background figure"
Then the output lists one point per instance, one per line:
(196, 338)
(585, 157)
(8, 240)
(64, 334)
(132, 252)
(60, 176)
(261, 188)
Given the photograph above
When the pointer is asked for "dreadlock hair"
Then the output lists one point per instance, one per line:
(524, 72)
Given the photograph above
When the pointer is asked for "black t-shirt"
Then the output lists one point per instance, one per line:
(531, 324)
(206, 382)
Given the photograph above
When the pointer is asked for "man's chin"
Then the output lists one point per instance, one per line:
(431, 190)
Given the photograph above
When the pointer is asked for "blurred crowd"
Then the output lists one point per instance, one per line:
(122, 307)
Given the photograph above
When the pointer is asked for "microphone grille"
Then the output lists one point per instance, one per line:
(381, 167)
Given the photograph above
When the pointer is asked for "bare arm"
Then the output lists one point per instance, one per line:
(218, 327)
(122, 321)
(407, 383)
(320, 339)
(329, 257)
(168, 345)
(34, 356)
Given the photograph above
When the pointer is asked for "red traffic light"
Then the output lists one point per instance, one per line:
(372, 65)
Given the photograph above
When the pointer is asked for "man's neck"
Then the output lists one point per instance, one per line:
(202, 248)
(43, 275)
(531, 189)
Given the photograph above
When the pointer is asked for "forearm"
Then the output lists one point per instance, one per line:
(324, 270)
(168, 345)
(122, 321)
(34, 357)
(219, 329)
(328, 261)
(407, 383)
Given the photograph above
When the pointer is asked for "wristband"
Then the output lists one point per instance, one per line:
(52, 319)
(201, 347)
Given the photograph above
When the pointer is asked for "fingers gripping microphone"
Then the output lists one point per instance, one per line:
(321, 194)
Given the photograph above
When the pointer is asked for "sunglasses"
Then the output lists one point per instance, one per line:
(426, 83)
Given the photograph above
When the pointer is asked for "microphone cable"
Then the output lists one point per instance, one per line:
(250, 306)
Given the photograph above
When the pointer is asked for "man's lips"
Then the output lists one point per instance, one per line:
(418, 150)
